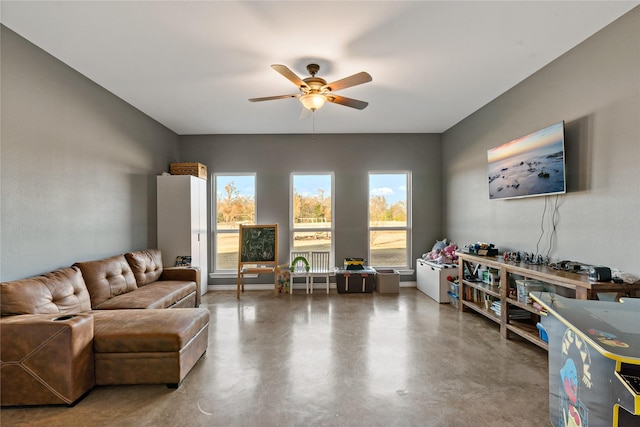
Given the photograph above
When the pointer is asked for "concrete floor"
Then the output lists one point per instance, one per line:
(331, 360)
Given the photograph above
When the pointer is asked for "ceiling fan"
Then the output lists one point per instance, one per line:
(314, 91)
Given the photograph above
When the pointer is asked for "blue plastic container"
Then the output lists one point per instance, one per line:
(543, 332)
(454, 299)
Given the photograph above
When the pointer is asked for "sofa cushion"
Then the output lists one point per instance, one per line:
(162, 294)
(146, 265)
(107, 278)
(60, 291)
(133, 331)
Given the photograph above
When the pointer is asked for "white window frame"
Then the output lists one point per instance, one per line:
(407, 228)
(232, 272)
(292, 227)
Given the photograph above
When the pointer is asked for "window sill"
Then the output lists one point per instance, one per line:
(403, 271)
(230, 276)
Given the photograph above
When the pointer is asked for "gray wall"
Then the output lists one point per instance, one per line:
(78, 166)
(595, 89)
(350, 156)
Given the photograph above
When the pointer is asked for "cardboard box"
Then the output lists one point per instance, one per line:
(387, 281)
(355, 281)
(195, 169)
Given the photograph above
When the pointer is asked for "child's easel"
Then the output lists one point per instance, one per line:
(258, 252)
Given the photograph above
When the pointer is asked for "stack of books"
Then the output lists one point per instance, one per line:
(496, 307)
(519, 314)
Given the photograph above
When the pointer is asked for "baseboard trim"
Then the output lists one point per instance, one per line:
(269, 286)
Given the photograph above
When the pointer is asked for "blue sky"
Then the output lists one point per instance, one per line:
(310, 184)
(392, 186)
(246, 185)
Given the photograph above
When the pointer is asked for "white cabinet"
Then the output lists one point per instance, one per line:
(182, 221)
(431, 279)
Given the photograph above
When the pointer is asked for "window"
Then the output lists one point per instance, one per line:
(235, 205)
(389, 219)
(311, 212)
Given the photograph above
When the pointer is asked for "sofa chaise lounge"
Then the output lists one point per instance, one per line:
(98, 323)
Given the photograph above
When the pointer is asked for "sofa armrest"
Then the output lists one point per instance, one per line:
(186, 274)
(30, 373)
(191, 274)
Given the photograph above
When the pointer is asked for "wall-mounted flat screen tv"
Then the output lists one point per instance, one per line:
(532, 165)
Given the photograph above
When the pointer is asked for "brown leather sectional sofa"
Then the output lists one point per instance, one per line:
(97, 323)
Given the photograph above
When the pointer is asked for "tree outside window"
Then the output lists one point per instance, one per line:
(235, 205)
(389, 220)
(311, 212)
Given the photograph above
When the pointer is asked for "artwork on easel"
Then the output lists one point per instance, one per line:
(259, 244)
(258, 252)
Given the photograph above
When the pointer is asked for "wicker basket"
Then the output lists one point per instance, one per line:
(195, 169)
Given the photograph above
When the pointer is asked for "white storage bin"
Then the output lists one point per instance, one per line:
(431, 278)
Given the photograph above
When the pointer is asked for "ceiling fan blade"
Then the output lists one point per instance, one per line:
(270, 98)
(349, 102)
(290, 75)
(354, 80)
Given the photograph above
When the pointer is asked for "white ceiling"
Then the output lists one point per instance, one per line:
(192, 65)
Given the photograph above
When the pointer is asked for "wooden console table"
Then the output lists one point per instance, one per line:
(478, 296)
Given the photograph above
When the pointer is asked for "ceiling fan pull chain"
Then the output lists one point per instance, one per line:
(313, 118)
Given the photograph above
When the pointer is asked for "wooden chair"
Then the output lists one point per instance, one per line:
(320, 267)
(299, 268)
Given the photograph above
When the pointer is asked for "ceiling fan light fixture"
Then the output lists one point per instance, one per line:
(312, 101)
(314, 91)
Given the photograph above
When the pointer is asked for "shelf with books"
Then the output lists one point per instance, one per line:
(498, 290)
(527, 331)
(480, 297)
(493, 290)
(521, 320)
(528, 307)
(481, 308)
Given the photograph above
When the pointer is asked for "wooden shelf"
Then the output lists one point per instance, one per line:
(480, 308)
(528, 307)
(494, 291)
(508, 271)
(584, 288)
(528, 332)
